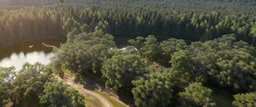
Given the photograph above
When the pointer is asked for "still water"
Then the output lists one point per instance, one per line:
(34, 51)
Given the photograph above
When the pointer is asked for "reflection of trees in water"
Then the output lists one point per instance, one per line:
(24, 47)
(18, 59)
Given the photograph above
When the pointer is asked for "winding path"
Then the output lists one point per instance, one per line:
(83, 91)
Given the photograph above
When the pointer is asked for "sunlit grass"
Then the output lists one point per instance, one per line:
(111, 100)
(91, 101)
(68, 73)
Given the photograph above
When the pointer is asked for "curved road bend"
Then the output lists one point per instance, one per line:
(84, 91)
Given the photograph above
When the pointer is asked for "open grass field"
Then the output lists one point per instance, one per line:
(113, 101)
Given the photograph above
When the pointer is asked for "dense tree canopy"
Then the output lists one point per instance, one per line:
(28, 83)
(196, 95)
(223, 63)
(120, 70)
(191, 20)
(33, 85)
(154, 89)
(84, 52)
(6, 77)
(56, 94)
(245, 100)
(180, 52)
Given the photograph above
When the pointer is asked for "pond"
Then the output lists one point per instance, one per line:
(35, 51)
(32, 51)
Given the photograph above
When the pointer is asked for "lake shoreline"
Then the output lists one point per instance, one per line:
(31, 51)
(5, 44)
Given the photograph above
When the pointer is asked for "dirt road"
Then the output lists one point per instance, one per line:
(69, 81)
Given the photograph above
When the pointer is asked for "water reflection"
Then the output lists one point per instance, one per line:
(18, 54)
(17, 60)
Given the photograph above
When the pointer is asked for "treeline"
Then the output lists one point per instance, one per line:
(167, 73)
(98, 1)
(34, 86)
(192, 21)
(154, 72)
(29, 22)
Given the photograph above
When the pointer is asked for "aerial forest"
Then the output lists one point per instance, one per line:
(174, 53)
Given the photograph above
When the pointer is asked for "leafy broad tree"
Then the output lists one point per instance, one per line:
(83, 53)
(56, 94)
(154, 89)
(196, 95)
(121, 70)
(245, 100)
(33, 85)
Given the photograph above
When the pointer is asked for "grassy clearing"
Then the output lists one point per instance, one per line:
(110, 99)
(91, 101)
(68, 73)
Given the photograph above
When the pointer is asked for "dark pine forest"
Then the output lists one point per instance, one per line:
(179, 53)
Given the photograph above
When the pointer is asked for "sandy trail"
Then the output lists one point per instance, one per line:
(69, 81)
